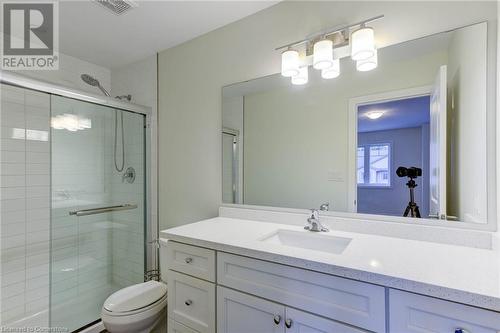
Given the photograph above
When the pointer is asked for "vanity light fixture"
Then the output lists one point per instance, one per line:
(362, 43)
(331, 72)
(323, 54)
(367, 64)
(373, 115)
(324, 50)
(290, 63)
(302, 77)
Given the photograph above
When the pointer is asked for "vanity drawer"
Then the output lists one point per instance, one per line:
(192, 260)
(191, 302)
(352, 302)
(415, 313)
(175, 327)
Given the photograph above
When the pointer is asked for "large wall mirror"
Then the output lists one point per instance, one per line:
(414, 130)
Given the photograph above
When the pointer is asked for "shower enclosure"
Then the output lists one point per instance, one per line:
(73, 227)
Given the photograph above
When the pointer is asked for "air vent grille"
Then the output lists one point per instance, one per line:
(117, 7)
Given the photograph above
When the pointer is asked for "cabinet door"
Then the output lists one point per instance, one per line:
(191, 302)
(301, 322)
(412, 313)
(241, 313)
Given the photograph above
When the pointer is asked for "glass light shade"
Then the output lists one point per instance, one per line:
(290, 63)
(333, 71)
(362, 44)
(323, 54)
(302, 77)
(367, 64)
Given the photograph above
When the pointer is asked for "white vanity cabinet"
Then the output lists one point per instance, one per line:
(343, 300)
(243, 313)
(257, 296)
(411, 313)
(238, 312)
(191, 288)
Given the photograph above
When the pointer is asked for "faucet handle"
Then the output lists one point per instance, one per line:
(325, 207)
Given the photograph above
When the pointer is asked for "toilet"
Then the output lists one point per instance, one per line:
(137, 308)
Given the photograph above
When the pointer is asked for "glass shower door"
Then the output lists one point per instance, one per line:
(98, 207)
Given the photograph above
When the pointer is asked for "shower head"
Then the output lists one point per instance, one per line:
(94, 82)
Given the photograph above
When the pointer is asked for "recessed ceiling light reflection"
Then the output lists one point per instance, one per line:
(375, 114)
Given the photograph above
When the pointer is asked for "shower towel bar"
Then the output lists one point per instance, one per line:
(100, 210)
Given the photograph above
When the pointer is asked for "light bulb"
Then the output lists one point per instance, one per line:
(290, 63)
(362, 44)
(302, 77)
(333, 71)
(323, 54)
(367, 64)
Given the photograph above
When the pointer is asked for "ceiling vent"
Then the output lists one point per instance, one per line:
(117, 7)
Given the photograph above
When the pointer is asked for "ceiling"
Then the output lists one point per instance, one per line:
(92, 33)
(404, 113)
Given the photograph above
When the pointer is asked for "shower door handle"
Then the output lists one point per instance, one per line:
(100, 210)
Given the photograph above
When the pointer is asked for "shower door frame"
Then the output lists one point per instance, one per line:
(150, 239)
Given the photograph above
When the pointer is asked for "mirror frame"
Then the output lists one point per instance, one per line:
(493, 145)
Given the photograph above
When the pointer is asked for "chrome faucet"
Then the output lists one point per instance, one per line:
(325, 207)
(313, 223)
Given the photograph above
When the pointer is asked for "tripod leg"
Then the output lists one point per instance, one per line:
(417, 212)
(407, 210)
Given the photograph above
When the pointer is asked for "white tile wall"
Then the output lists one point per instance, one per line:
(128, 238)
(140, 80)
(25, 204)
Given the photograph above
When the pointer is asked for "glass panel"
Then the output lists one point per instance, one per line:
(227, 168)
(94, 255)
(361, 165)
(379, 165)
(25, 208)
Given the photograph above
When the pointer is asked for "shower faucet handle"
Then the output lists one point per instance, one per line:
(129, 175)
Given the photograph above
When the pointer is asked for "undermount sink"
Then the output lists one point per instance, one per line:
(308, 240)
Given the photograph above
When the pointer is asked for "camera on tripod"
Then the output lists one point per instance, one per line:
(412, 173)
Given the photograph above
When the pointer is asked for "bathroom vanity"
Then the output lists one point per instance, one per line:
(231, 275)
(419, 127)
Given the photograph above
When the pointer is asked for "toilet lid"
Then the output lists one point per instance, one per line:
(135, 297)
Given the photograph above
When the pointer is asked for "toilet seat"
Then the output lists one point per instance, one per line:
(135, 299)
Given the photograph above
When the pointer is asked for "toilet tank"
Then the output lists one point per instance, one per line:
(163, 259)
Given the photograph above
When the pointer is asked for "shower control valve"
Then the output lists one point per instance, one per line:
(129, 175)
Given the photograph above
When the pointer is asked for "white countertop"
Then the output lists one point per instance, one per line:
(457, 273)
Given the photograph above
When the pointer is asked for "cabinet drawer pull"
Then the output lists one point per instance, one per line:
(188, 302)
(277, 319)
(461, 330)
(188, 260)
(288, 323)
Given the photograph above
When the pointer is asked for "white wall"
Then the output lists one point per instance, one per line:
(191, 76)
(467, 173)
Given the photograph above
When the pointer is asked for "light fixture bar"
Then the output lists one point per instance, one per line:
(331, 32)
